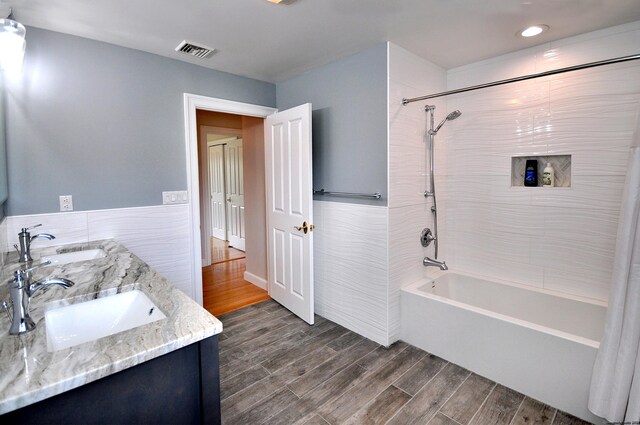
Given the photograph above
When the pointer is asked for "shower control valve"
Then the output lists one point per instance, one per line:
(426, 237)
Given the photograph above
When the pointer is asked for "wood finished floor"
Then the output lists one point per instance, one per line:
(221, 251)
(276, 369)
(223, 286)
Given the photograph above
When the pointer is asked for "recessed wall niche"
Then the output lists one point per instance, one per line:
(561, 166)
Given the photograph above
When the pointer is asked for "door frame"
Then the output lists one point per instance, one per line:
(191, 103)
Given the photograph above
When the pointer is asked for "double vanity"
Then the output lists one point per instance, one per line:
(120, 345)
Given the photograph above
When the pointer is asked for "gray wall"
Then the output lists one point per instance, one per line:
(4, 186)
(103, 123)
(349, 100)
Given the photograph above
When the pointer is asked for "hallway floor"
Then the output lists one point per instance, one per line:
(223, 286)
(276, 369)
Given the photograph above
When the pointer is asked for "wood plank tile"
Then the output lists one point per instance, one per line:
(316, 420)
(533, 412)
(319, 328)
(250, 321)
(382, 355)
(307, 405)
(239, 402)
(346, 341)
(381, 409)
(270, 305)
(229, 387)
(262, 411)
(234, 314)
(499, 408)
(312, 343)
(466, 401)
(424, 405)
(332, 366)
(231, 320)
(252, 333)
(440, 419)
(563, 418)
(341, 408)
(271, 337)
(420, 374)
(231, 364)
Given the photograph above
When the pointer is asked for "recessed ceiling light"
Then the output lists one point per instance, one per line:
(533, 30)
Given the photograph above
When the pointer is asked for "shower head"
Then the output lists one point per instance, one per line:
(452, 116)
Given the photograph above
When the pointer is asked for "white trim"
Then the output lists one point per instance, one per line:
(256, 280)
(191, 103)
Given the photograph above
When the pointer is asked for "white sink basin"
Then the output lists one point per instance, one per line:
(83, 322)
(75, 256)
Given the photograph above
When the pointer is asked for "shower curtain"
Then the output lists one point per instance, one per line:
(615, 383)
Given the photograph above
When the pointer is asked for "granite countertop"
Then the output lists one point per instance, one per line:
(29, 373)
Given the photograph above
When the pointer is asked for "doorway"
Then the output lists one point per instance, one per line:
(282, 160)
(231, 194)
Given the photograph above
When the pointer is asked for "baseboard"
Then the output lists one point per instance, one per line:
(256, 280)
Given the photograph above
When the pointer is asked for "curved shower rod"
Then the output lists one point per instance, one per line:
(620, 59)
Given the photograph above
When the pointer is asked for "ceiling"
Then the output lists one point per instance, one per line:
(270, 42)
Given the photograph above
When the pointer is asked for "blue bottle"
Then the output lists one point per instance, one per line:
(531, 173)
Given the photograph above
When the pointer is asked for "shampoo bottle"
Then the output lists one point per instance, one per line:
(548, 176)
(531, 172)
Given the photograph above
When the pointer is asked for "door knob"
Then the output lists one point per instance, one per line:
(305, 227)
(229, 199)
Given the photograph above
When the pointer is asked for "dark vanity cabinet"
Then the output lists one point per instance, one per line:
(181, 387)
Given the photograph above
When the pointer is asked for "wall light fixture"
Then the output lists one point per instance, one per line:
(12, 43)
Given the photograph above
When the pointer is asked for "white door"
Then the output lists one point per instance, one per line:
(235, 194)
(290, 209)
(216, 189)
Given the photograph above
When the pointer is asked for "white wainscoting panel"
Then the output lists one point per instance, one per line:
(351, 267)
(3, 240)
(159, 235)
(70, 227)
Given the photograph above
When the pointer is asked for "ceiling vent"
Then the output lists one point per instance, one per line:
(198, 50)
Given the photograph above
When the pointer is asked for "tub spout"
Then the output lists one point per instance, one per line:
(428, 262)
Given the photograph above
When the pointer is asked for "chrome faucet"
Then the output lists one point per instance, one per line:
(428, 262)
(25, 239)
(21, 290)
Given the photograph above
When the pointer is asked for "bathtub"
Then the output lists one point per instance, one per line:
(536, 341)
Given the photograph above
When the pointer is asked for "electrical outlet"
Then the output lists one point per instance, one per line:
(66, 203)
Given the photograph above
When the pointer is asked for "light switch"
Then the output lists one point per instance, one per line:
(175, 197)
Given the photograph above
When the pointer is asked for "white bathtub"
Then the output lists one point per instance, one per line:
(535, 341)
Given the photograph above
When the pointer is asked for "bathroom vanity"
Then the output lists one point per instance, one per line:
(164, 371)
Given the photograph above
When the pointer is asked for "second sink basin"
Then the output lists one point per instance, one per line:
(87, 321)
(74, 256)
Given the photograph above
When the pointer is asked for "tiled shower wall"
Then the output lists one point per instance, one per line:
(561, 239)
(556, 238)
(409, 213)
